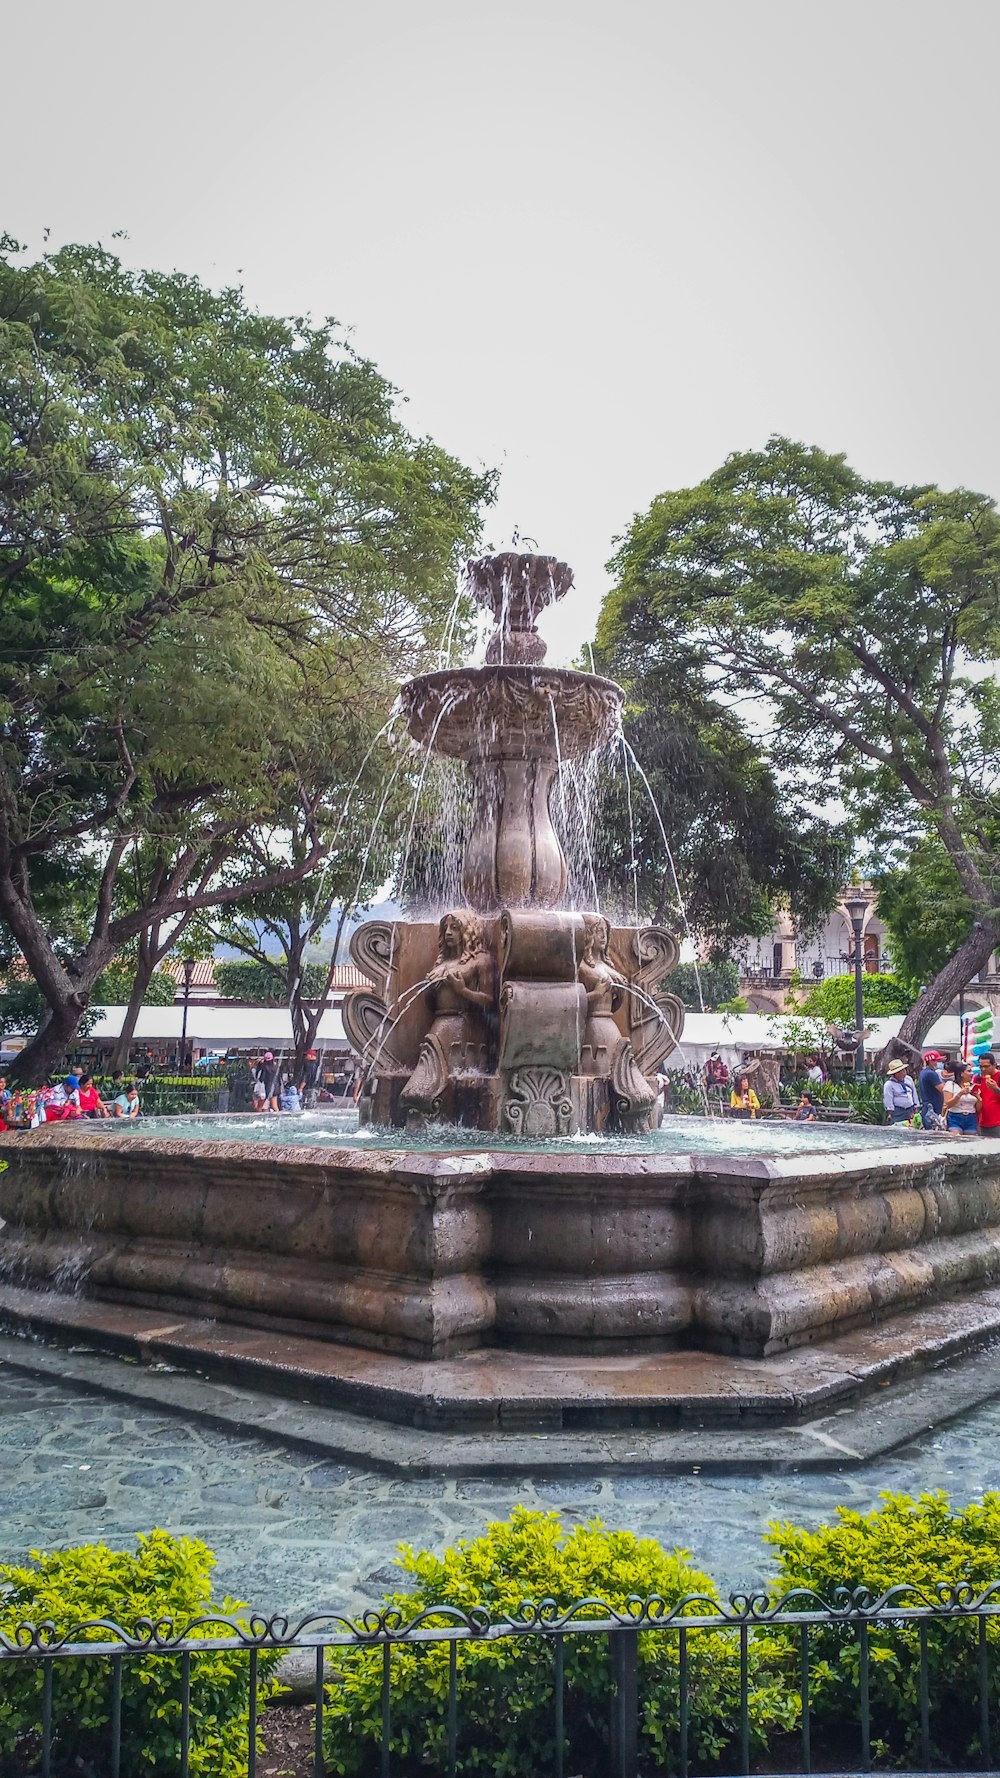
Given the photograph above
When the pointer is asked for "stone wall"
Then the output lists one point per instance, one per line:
(428, 1255)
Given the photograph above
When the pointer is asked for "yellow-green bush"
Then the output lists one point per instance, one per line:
(923, 1543)
(166, 1578)
(505, 1688)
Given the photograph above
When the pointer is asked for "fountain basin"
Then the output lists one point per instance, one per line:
(428, 1254)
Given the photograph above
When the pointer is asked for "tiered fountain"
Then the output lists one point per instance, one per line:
(335, 1267)
(512, 1013)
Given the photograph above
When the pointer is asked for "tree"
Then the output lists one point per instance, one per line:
(717, 984)
(277, 930)
(216, 541)
(883, 996)
(739, 843)
(864, 618)
(117, 985)
(926, 912)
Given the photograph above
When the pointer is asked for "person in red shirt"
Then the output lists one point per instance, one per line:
(989, 1098)
(91, 1103)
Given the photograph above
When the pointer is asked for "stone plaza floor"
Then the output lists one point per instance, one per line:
(294, 1531)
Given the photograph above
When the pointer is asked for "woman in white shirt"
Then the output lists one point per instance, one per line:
(960, 1105)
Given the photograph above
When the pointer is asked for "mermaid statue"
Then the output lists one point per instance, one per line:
(461, 991)
(606, 1051)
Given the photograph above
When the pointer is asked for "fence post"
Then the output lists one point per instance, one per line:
(624, 1647)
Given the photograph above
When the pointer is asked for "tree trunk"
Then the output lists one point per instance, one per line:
(148, 958)
(46, 1052)
(969, 959)
(313, 1018)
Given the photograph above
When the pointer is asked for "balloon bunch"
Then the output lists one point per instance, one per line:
(977, 1035)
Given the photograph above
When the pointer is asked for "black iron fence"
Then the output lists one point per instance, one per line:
(803, 1632)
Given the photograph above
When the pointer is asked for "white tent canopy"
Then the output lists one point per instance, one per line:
(214, 1027)
(733, 1034)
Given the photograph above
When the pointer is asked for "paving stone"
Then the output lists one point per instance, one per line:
(292, 1533)
(157, 1475)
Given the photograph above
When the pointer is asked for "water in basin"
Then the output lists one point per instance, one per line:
(679, 1135)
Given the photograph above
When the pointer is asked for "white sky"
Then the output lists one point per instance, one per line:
(598, 245)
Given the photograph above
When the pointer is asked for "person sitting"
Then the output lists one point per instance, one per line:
(899, 1095)
(290, 1100)
(64, 1101)
(91, 1103)
(127, 1103)
(806, 1113)
(743, 1101)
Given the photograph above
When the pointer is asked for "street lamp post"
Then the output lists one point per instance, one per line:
(188, 967)
(856, 907)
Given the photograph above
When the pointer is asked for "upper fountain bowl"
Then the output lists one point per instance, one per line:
(515, 589)
(505, 712)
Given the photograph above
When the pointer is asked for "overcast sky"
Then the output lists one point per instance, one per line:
(597, 245)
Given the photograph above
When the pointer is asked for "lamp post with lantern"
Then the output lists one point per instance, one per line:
(856, 906)
(187, 963)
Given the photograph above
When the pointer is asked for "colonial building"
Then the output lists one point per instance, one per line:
(767, 968)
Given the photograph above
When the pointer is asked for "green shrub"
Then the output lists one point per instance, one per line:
(923, 1543)
(167, 1578)
(505, 1688)
(864, 1096)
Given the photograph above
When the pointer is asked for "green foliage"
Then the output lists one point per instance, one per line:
(720, 984)
(919, 1543)
(219, 550)
(505, 1689)
(883, 996)
(167, 1577)
(265, 983)
(798, 1030)
(926, 911)
(860, 615)
(683, 1100)
(742, 841)
(114, 988)
(864, 1097)
(23, 1011)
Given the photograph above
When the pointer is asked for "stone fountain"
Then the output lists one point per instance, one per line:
(500, 1285)
(513, 1013)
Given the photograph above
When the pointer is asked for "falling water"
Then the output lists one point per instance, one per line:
(446, 705)
(630, 752)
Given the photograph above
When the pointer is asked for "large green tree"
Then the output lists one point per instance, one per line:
(689, 777)
(216, 536)
(864, 619)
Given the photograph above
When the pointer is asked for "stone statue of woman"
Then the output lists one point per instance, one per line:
(606, 1052)
(461, 991)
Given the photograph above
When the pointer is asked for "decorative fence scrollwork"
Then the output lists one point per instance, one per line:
(802, 1613)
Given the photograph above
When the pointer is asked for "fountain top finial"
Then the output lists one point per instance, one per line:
(516, 588)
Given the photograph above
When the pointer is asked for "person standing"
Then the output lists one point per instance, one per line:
(962, 1104)
(269, 1076)
(930, 1091)
(989, 1098)
(899, 1095)
(814, 1073)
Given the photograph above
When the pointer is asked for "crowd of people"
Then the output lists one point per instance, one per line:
(276, 1087)
(946, 1095)
(74, 1096)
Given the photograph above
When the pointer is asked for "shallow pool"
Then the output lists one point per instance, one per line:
(338, 1128)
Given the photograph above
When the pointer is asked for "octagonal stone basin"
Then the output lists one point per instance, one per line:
(748, 1246)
